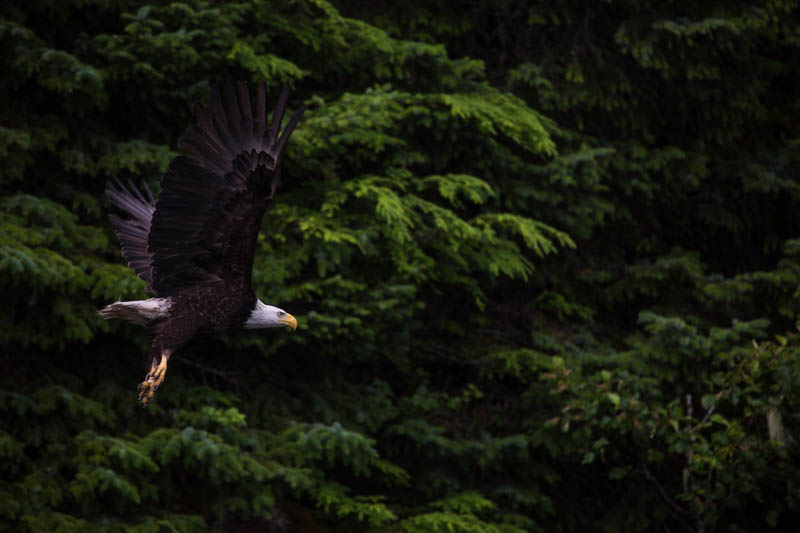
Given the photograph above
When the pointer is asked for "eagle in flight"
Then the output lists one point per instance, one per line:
(194, 245)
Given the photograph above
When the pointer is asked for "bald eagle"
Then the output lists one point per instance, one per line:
(194, 245)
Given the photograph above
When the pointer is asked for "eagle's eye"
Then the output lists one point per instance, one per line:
(281, 314)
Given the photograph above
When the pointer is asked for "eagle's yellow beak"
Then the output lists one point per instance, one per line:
(289, 321)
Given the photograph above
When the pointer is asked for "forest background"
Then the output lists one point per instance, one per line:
(545, 257)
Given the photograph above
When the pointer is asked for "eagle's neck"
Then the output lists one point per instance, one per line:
(263, 316)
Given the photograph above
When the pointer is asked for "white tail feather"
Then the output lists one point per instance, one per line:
(139, 312)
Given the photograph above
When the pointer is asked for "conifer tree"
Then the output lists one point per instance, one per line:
(545, 260)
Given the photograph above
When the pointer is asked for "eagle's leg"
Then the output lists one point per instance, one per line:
(168, 336)
(154, 378)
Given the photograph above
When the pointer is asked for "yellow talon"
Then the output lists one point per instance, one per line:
(153, 381)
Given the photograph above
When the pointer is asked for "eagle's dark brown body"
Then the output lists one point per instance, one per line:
(194, 246)
(191, 315)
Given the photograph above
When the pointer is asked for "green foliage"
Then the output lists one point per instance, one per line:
(46, 259)
(708, 444)
(544, 256)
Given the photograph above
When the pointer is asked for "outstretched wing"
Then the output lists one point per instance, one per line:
(133, 231)
(212, 199)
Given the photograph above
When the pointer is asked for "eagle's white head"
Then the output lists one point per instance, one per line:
(268, 316)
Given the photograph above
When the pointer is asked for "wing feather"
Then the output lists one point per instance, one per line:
(213, 197)
(132, 232)
(277, 116)
(245, 112)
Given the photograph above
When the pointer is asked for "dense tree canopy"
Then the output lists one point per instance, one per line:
(545, 257)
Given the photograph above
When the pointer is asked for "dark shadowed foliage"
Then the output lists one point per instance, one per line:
(545, 258)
